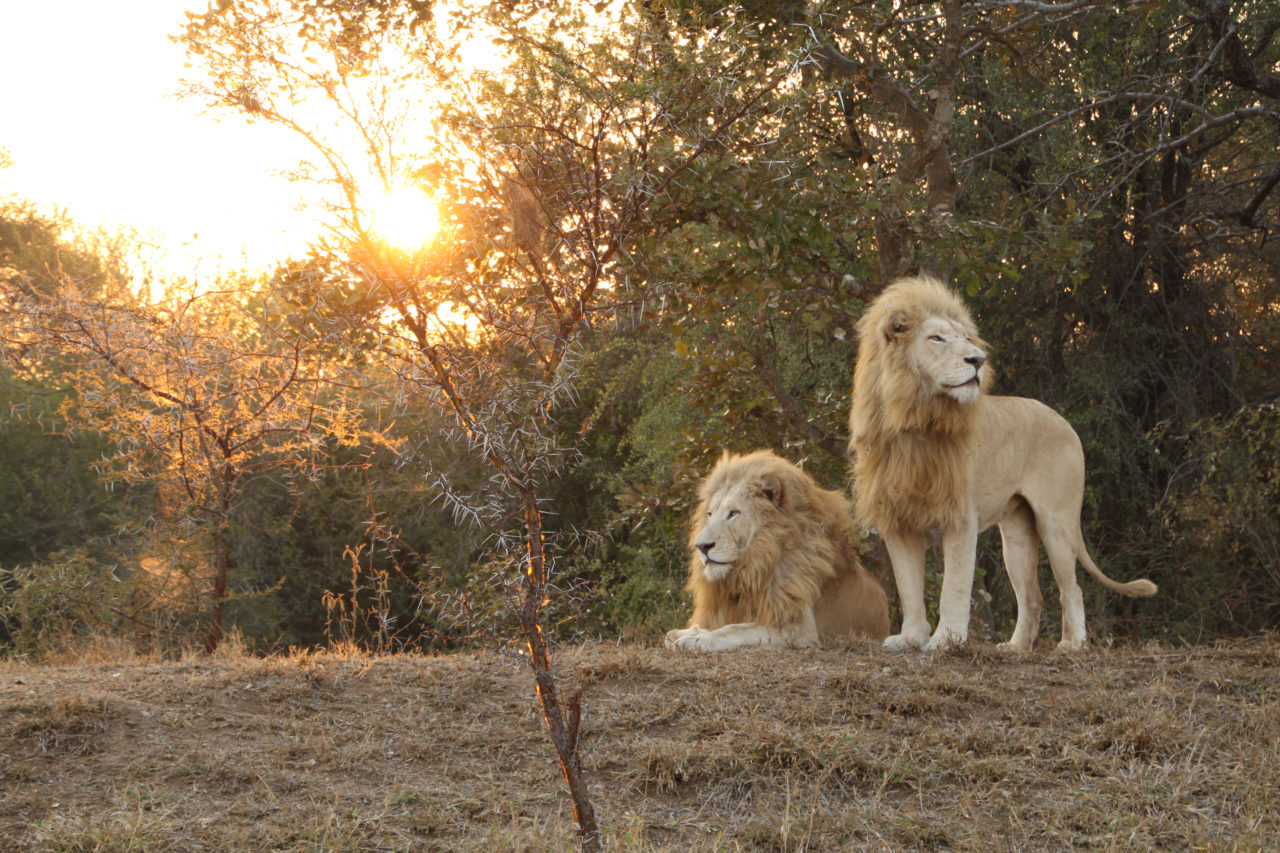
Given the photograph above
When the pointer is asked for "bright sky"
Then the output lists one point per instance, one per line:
(91, 121)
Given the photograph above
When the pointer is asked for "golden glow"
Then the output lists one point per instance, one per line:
(455, 316)
(206, 198)
(405, 217)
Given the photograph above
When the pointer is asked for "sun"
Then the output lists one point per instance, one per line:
(405, 217)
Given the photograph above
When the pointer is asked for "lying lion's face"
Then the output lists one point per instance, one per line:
(946, 355)
(728, 525)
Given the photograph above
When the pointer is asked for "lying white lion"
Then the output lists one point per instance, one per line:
(774, 562)
(933, 451)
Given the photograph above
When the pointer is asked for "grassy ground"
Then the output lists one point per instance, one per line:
(1147, 748)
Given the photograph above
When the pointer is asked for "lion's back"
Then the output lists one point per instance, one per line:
(1024, 447)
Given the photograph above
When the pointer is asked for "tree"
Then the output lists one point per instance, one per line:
(552, 175)
(197, 389)
(1098, 177)
(50, 497)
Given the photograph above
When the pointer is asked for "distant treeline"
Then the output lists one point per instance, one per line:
(660, 250)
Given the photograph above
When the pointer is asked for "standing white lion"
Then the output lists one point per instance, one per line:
(774, 562)
(933, 451)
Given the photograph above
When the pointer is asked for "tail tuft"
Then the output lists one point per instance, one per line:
(1139, 589)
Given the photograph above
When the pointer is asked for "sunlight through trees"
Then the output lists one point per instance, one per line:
(649, 237)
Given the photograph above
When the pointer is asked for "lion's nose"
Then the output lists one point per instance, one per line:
(976, 360)
(705, 547)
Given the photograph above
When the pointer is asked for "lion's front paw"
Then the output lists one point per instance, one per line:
(1067, 646)
(902, 643)
(683, 638)
(1013, 647)
(945, 639)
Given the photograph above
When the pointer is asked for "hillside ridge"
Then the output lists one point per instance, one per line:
(850, 748)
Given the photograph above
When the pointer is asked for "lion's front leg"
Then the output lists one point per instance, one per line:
(734, 636)
(800, 634)
(906, 553)
(959, 552)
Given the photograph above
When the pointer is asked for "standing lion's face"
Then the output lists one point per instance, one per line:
(730, 520)
(944, 354)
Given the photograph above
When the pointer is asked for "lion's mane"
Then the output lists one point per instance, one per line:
(911, 445)
(802, 553)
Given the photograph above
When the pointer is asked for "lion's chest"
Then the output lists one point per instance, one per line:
(914, 482)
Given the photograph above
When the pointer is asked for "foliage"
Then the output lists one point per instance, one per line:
(198, 391)
(1226, 512)
(147, 598)
(49, 604)
(51, 496)
(39, 251)
(660, 228)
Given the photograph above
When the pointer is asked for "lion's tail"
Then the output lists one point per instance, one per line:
(1140, 588)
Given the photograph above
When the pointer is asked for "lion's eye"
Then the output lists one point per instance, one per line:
(938, 339)
(731, 515)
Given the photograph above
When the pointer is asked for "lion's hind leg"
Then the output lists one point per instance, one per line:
(1021, 546)
(1059, 543)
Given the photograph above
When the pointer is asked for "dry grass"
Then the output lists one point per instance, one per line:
(1146, 748)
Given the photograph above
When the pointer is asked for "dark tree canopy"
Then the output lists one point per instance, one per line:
(661, 223)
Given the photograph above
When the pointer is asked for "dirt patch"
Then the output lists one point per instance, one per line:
(852, 748)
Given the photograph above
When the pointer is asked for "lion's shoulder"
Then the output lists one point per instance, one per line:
(1021, 427)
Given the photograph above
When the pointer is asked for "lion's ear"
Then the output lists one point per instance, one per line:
(895, 323)
(771, 488)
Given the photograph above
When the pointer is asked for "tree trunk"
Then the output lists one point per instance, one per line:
(213, 637)
(563, 723)
(929, 124)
